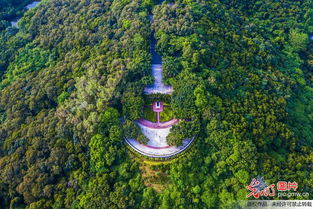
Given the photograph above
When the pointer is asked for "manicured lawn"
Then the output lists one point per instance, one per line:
(149, 114)
(166, 115)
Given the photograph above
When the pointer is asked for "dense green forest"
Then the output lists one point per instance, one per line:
(74, 69)
(10, 9)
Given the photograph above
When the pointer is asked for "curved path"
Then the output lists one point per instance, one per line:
(160, 125)
(154, 152)
(157, 146)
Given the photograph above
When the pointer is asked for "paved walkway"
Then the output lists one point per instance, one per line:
(157, 132)
(153, 147)
(158, 86)
(158, 117)
(157, 146)
(159, 125)
(163, 152)
(157, 137)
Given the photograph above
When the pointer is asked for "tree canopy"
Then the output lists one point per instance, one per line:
(71, 85)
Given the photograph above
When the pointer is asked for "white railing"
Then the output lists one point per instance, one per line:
(159, 156)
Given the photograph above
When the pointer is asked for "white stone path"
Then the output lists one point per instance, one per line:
(155, 152)
(157, 137)
(158, 85)
(157, 146)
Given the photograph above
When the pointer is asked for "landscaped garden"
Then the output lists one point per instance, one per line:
(149, 114)
(165, 115)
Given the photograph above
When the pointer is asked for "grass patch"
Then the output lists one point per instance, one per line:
(166, 115)
(149, 114)
(154, 178)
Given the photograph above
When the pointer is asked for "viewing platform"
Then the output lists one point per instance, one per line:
(158, 116)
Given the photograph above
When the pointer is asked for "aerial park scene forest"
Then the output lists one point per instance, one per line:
(152, 104)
